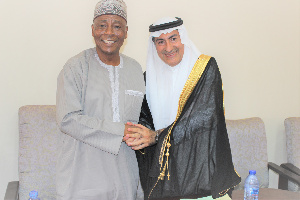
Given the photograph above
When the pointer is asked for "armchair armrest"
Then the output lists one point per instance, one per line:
(284, 176)
(291, 167)
(12, 191)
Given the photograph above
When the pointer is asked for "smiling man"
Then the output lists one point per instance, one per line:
(96, 96)
(184, 126)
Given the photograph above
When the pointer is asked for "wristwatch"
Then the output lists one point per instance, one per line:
(156, 136)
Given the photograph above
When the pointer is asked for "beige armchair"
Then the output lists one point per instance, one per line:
(248, 144)
(37, 153)
(292, 130)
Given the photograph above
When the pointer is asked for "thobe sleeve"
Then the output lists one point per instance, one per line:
(102, 134)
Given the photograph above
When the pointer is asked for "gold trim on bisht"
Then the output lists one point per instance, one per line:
(188, 88)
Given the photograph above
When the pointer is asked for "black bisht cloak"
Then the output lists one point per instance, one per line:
(200, 162)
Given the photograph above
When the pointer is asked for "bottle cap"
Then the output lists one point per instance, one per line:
(33, 194)
(252, 172)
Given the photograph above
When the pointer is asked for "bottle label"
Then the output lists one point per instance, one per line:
(251, 193)
(254, 193)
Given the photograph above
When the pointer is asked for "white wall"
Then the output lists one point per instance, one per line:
(256, 44)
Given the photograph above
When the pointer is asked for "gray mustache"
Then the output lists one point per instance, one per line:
(170, 52)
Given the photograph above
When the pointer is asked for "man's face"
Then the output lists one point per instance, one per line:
(169, 48)
(109, 32)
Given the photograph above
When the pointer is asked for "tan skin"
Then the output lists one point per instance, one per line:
(109, 32)
(170, 50)
(139, 136)
(127, 132)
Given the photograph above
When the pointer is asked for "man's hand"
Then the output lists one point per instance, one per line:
(126, 132)
(139, 137)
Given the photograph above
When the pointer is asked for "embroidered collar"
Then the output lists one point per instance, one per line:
(109, 66)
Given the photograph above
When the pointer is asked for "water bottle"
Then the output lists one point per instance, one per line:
(251, 186)
(33, 195)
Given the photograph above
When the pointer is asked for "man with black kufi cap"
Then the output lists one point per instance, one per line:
(182, 141)
(96, 96)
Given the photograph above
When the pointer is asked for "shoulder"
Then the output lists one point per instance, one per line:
(212, 62)
(82, 57)
(130, 62)
(79, 62)
(212, 70)
(212, 65)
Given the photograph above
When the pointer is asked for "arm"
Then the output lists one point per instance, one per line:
(144, 130)
(71, 119)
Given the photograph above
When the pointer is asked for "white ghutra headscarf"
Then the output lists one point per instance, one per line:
(163, 82)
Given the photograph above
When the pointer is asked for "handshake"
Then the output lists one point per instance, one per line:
(138, 136)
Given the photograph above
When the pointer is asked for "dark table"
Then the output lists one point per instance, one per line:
(269, 194)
